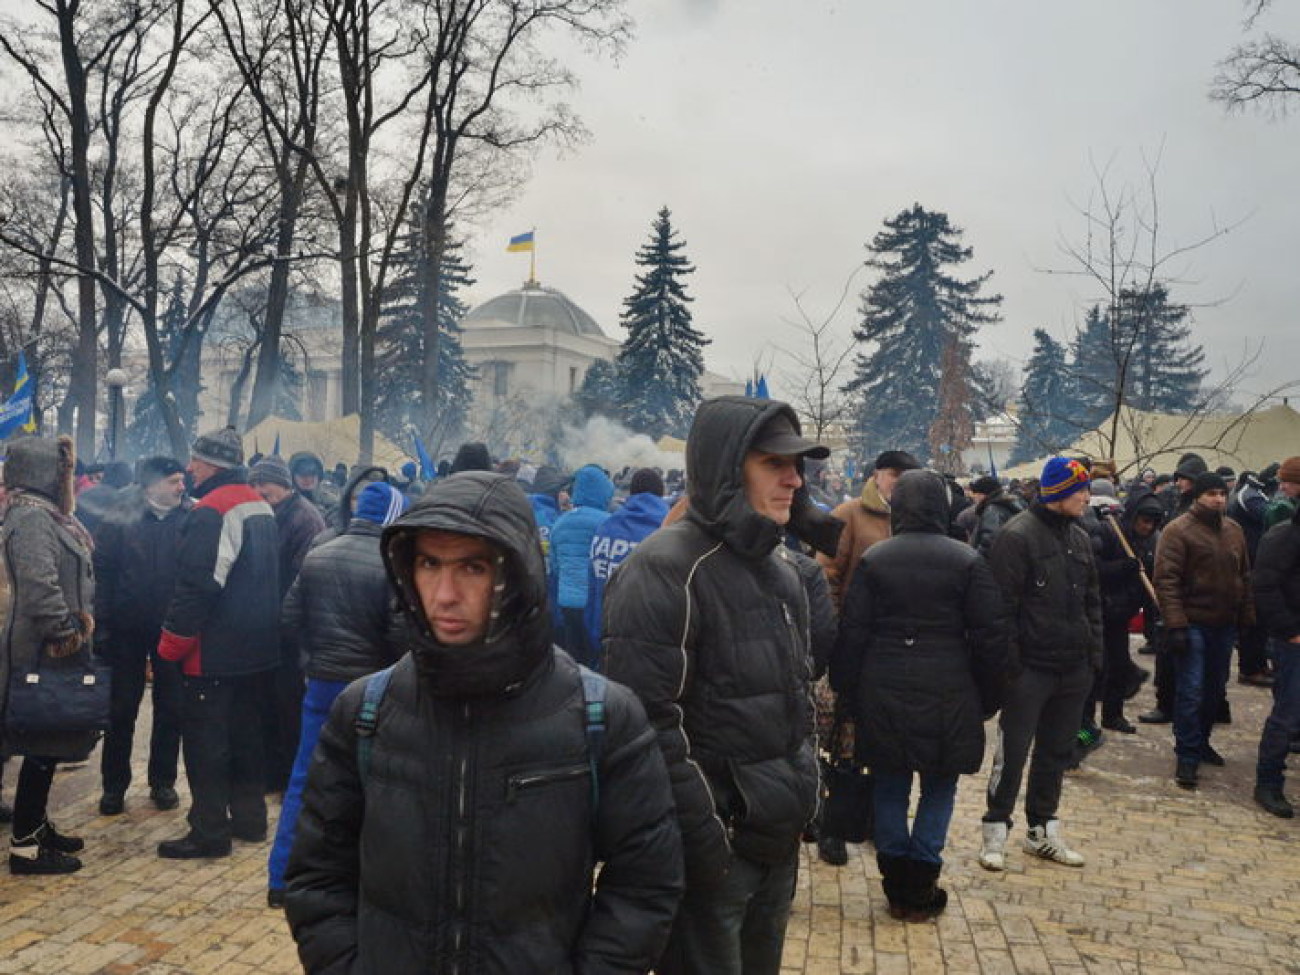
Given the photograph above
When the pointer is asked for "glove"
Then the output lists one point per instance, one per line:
(1176, 640)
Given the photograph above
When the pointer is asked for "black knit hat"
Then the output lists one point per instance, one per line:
(1209, 481)
(988, 484)
(220, 448)
(472, 457)
(151, 470)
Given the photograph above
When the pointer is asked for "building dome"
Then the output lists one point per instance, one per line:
(532, 306)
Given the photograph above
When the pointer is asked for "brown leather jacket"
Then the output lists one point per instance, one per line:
(866, 521)
(1203, 572)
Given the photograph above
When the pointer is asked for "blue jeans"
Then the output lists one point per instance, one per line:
(892, 795)
(315, 709)
(1283, 723)
(1202, 680)
(737, 929)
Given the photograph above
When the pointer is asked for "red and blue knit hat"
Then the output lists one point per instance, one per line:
(1062, 476)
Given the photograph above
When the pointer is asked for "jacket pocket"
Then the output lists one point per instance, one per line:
(522, 783)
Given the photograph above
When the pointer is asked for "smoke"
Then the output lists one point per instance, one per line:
(611, 445)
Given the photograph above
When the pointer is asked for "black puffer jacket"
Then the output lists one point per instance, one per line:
(991, 515)
(340, 612)
(708, 622)
(472, 843)
(1276, 579)
(1122, 590)
(922, 650)
(1043, 562)
(340, 515)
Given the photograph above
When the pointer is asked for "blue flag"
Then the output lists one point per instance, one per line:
(428, 469)
(17, 411)
(275, 451)
(749, 387)
(760, 391)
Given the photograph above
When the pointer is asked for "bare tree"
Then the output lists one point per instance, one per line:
(1262, 73)
(815, 378)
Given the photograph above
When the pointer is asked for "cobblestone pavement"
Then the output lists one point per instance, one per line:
(1175, 881)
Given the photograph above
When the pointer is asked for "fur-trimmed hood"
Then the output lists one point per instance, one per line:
(45, 467)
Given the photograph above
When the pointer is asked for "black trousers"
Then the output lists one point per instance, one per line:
(1116, 668)
(222, 735)
(128, 666)
(281, 716)
(576, 640)
(1252, 650)
(32, 794)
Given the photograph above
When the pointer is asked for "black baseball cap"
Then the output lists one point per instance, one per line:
(780, 436)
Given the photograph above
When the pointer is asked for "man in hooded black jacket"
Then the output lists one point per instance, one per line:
(708, 622)
(469, 842)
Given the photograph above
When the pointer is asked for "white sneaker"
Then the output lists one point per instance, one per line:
(993, 852)
(1047, 842)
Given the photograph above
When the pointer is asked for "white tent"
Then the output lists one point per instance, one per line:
(330, 440)
(1242, 441)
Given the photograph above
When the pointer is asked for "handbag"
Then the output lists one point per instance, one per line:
(848, 811)
(70, 695)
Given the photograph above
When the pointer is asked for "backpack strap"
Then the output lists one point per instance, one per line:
(594, 686)
(367, 720)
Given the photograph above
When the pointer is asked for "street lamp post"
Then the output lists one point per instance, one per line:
(115, 380)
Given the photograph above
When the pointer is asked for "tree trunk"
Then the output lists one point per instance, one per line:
(434, 230)
(82, 387)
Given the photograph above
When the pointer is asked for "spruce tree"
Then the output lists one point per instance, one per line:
(661, 360)
(1048, 402)
(909, 317)
(1094, 369)
(399, 348)
(600, 393)
(1164, 371)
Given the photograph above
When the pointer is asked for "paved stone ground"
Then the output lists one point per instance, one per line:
(1175, 881)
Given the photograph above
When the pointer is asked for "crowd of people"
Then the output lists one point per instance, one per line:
(665, 675)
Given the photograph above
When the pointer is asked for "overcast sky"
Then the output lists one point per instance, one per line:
(782, 134)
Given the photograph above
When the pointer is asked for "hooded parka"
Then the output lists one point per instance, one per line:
(471, 845)
(708, 622)
(922, 651)
(50, 581)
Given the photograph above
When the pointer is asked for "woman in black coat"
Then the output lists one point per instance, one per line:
(920, 658)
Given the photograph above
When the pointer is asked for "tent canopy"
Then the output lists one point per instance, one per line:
(1243, 441)
(331, 440)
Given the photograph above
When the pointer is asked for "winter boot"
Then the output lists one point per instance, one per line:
(993, 852)
(831, 849)
(925, 898)
(894, 881)
(1271, 799)
(50, 837)
(1047, 842)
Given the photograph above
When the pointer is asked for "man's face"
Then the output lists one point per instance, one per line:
(306, 481)
(1144, 525)
(1074, 505)
(167, 492)
(770, 483)
(886, 478)
(454, 575)
(1290, 488)
(272, 493)
(1184, 484)
(1215, 499)
(201, 470)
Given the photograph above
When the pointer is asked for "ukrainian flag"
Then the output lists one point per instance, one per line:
(523, 242)
(16, 413)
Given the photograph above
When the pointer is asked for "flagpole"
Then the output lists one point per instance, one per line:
(532, 259)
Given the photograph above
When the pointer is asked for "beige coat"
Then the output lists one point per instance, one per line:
(866, 521)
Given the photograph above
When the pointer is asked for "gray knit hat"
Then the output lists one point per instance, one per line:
(271, 470)
(220, 448)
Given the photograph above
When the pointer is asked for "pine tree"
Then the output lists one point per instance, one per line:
(661, 360)
(1164, 371)
(1094, 369)
(1048, 402)
(399, 347)
(600, 393)
(909, 317)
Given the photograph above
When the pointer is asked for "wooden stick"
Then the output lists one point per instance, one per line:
(1128, 550)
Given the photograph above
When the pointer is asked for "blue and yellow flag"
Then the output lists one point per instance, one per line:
(16, 413)
(521, 242)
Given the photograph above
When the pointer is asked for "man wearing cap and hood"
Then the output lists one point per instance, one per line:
(1042, 560)
(1202, 582)
(222, 626)
(135, 564)
(708, 622)
(467, 837)
(1283, 505)
(994, 507)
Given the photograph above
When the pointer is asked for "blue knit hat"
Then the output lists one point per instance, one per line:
(1062, 476)
(380, 503)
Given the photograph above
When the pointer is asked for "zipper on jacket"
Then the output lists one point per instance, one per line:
(530, 780)
(459, 849)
